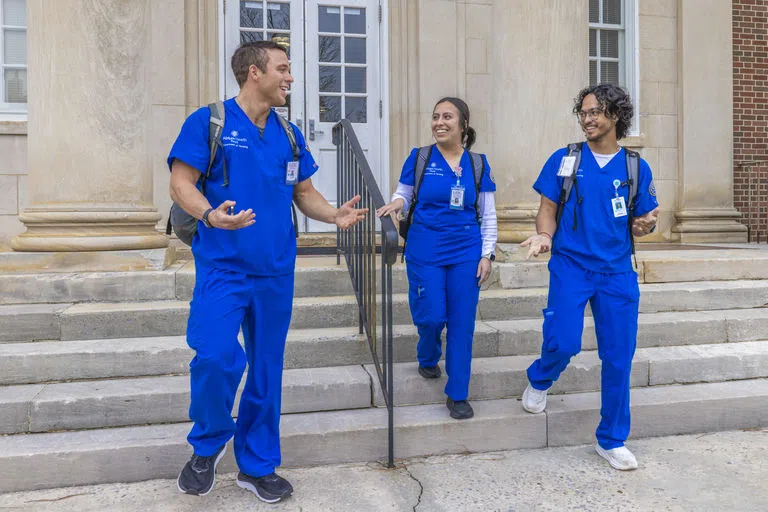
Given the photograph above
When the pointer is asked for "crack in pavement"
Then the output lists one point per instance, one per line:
(421, 487)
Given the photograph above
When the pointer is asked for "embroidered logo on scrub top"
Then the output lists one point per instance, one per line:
(433, 170)
(234, 140)
(652, 189)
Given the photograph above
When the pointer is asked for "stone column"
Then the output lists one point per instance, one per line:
(539, 54)
(705, 118)
(90, 177)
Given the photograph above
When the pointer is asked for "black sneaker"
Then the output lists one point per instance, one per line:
(269, 488)
(199, 474)
(430, 372)
(460, 409)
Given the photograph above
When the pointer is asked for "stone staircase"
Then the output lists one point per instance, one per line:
(93, 384)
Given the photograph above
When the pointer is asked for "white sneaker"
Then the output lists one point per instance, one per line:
(620, 458)
(534, 400)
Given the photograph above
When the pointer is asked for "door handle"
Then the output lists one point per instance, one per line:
(312, 130)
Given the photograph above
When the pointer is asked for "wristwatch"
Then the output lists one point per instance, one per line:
(205, 221)
(491, 256)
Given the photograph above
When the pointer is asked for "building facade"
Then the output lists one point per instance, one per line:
(95, 92)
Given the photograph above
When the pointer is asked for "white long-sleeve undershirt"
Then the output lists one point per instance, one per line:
(489, 230)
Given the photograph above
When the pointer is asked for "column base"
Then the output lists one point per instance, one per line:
(516, 223)
(714, 225)
(74, 228)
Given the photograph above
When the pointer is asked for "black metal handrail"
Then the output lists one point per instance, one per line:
(360, 246)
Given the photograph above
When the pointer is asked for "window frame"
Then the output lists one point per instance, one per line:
(628, 59)
(11, 111)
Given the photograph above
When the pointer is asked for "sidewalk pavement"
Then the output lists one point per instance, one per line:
(723, 472)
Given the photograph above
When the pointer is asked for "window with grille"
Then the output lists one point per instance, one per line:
(613, 45)
(13, 55)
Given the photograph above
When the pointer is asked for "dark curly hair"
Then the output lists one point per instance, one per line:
(614, 101)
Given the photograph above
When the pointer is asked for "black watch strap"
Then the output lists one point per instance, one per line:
(205, 221)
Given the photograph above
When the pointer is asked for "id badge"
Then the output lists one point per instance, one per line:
(292, 173)
(566, 166)
(619, 207)
(457, 197)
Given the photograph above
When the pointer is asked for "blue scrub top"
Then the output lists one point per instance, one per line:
(256, 167)
(601, 241)
(439, 235)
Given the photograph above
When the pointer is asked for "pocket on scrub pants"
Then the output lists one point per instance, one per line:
(549, 330)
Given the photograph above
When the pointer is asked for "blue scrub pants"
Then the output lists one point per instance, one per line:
(439, 297)
(222, 303)
(614, 299)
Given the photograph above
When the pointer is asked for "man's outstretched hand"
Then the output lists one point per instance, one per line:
(347, 215)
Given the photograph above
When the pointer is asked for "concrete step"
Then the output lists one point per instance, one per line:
(31, 288)
(164, 318)
(160, 451)
(123, 402)
(31, 363)
(503, 377)
(152, 400)
(320, 276)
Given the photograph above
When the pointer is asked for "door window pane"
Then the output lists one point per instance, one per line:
(354, 21)
(15, 47)
(249, 37)
(251, 14)
(356, 110)
(15, 86)
(330, 109)
(354, 50)
(330, 49)
(354, 80)
(14, 13)
(330, 79)
(329, 19)
(592, 72)
(278, 16)
(592, 42)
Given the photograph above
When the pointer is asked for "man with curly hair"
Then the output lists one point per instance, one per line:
(592, 260)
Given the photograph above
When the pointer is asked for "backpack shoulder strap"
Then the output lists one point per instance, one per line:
(215, 129)
(633, 178)
(422, 158)
(574, 149)
(478, 168)
(633, 174)
(288, 129)
(291, 135)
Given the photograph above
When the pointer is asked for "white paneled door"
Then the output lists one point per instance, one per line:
(334, 49)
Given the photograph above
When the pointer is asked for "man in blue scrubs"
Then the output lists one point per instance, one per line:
(592, 261)
(245, 251)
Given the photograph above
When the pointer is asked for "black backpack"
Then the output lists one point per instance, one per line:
(633, 172)
(184, 224)
(425, 153)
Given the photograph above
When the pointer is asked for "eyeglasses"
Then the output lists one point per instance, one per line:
(592, 113)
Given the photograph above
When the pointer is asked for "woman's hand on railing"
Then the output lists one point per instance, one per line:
(347, 215)
(392, 208)
(483, 270)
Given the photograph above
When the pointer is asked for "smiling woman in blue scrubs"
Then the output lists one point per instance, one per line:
(448, 253)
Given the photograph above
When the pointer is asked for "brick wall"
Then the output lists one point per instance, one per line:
(750, 112)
